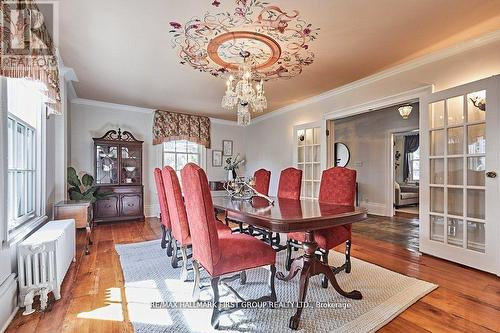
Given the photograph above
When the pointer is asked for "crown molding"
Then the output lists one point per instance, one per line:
(412, 64)
(223, 122)
(113, 106)
(123, 107)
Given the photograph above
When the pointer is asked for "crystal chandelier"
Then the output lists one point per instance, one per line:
(243, 93)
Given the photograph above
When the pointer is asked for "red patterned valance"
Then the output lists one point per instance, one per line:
(169, 126)
(27, 49)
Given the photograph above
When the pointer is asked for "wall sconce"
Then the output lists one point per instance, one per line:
(405, 111)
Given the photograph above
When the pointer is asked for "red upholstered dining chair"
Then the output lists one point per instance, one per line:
(288, 188)
(181, 235)
(166, 227)
(338, 186)
(262, 180)
(218, 255)
(290, 183)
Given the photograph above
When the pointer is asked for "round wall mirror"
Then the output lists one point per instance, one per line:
(342, 154)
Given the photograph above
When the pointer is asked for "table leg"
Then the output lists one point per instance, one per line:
(311, 266)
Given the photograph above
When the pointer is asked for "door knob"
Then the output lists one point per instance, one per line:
(491, 174)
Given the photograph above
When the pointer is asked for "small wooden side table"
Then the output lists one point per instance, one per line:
(81, 212)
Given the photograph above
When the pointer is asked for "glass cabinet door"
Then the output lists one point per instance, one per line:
(106, 164)
(131, 165)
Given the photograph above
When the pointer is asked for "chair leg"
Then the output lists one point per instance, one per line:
(278, 239)
(184, 270)
(348, 256)
(175, 263)
(243, 277)
(324, 279)
(196, 287)
(163, 237)
(288, 262)
(241, 227)
(169, 243)
(215, 312)
(272, 278)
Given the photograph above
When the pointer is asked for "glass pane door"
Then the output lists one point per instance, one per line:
(459, 222)
(308, 145)
(131, 165)
(107, 164)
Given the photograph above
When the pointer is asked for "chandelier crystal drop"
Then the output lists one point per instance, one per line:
(243, 94)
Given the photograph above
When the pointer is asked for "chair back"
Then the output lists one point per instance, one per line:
(338, 186)
(201, 216)
(262, 179)
(290, 183)
(176, 208)
(162, 199)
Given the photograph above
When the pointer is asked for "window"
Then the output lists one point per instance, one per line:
(24, 105)
(414, 162)
(178, 153)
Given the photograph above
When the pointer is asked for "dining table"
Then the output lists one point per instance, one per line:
(288, 215)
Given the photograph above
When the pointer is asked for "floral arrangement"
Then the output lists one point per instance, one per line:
(233, 164)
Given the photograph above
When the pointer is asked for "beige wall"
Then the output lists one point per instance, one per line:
(368, 138)
(87, 122)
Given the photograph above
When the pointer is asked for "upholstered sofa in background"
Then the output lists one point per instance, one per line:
(406, 194)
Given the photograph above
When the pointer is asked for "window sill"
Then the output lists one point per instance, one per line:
(24, 231)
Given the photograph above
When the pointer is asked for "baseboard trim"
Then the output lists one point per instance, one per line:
(9, 289)
(375, 208)
(152, 210)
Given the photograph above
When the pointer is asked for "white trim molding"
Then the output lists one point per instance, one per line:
(131, 108)
(410, 96)
(114, 106)
(374, 208)
(458, 48)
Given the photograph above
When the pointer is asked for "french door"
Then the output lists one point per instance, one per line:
(460, 144)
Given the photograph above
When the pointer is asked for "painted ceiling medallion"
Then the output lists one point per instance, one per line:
(277, 40)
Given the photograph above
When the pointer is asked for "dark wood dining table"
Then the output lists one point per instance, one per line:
(305, 215)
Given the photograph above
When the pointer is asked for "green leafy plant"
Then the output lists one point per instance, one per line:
(83, 189)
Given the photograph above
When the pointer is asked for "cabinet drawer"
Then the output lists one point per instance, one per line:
(107, 207)
(131, 205)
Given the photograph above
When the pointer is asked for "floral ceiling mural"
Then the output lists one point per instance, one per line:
(277, 39)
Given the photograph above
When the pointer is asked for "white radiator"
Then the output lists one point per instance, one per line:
(43, 260)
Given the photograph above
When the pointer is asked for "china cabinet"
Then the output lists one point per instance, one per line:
(118, 172)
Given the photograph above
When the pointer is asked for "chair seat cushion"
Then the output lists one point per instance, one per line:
(222, 228)
(408, 195)
(240, 252)
(327, 239)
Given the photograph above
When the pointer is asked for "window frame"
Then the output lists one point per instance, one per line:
(201, 154)
(39, 185)
(411, 161)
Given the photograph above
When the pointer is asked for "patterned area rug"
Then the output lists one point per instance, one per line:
(149, 277)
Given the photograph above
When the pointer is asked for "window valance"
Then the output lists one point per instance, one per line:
(168, 126)
(27, 49)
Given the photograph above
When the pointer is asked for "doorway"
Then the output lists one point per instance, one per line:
(405, 161)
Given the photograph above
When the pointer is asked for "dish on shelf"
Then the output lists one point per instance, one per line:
(130, 168)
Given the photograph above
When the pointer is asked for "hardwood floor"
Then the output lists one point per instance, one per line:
(466, 300)
(402, 229)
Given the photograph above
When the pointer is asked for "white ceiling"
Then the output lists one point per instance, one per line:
(122, 53)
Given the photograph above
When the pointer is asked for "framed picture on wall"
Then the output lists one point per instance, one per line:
(227, 147)
(216, 158)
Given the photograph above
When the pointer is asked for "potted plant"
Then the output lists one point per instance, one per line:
(83, 189)
(232, 164)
